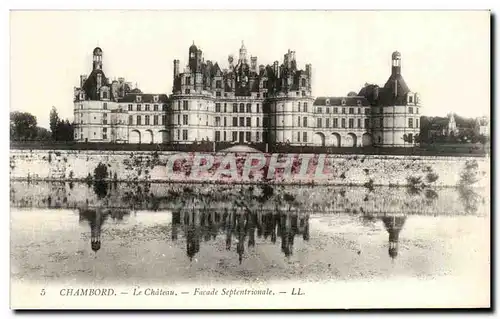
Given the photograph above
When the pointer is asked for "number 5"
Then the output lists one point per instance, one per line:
(42, 293)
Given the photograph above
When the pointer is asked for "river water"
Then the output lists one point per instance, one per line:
(171, 233)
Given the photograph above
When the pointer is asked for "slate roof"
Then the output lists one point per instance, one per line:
(145, 98)
(337, 101)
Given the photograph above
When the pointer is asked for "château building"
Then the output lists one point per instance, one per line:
(244, 102)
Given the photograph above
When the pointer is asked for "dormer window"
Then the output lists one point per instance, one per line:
(81, 96)
(155, 98)
(138, 98)
(410, 99)
(343, 102)
(359, 102)
(327, 101)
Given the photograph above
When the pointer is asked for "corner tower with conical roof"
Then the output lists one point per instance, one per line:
(395, 110)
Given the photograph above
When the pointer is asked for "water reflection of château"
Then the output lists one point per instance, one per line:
(239, 227)
(96, 217)
(205, 225)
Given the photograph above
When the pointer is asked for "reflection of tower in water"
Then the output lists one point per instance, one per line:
(241, 224)
(393, 225)
(96, 218)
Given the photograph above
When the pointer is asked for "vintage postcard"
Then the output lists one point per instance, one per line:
(250, 159)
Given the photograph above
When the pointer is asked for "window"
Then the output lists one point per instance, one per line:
(147, 107)
(242, 121)
(367, 111)
(130, 120)
(298, 122)
(299, 106)
(351, 110)
(249, 121)
(242, 108)
(178, 119)
(235, 121)
(104, 136)
(327, 110)
(359, 110)
(188, 91)
(304, 137)
(327, 102)
(155, 107)
(217, 136)
(138, 122)
(155, 99)
(264, 83)
(155, 120)
(335, 123)
(416, 123)
(416, 109)
(410, 110)
(305, 107)
(217, 107)
(258, 122)
(105, 121)
(185, 135)
(218, 84)
(258, 108)
(235, 108)
(303, 82)
(303, 93)
(351, 123)
(163, 119)
(225, 135)
(235, 136)
(138, 98)
(218, 94)
(319, 110)
(343, 110)
(304, 122)
(164, 107)
(105, 106)
(249, 108)
(185, 105)
(319, 122)
(248, 137)
(359, 122)
(185, 119)
(410, 99)
(359, 103)
(217, 121)
(410, 123)
(367, 123)
(179, 105)
(146, 120)
(343, 102)
(188, 80)
(327, 124)
(298, 136)
(257, 136)
(138, 107)
(178, 134)
(225, 121)
(343, 123)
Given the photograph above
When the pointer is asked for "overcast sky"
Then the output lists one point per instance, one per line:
(445, 55)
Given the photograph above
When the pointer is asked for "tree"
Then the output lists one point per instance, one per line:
(54, 122)
(42, 134)
(22, 126)
(64, 131)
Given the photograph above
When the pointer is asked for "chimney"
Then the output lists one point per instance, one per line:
(176, 68)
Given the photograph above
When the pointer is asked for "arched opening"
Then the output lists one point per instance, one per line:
(165, 136)
(135, 137)
(336, 140)
(351, 140)
(148, 137)
(366, 139)
(319, 139)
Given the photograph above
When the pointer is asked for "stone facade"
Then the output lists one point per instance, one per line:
(245, 103)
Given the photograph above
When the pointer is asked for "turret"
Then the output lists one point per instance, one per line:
(396, 63)
(176, 68)
(97, 59)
